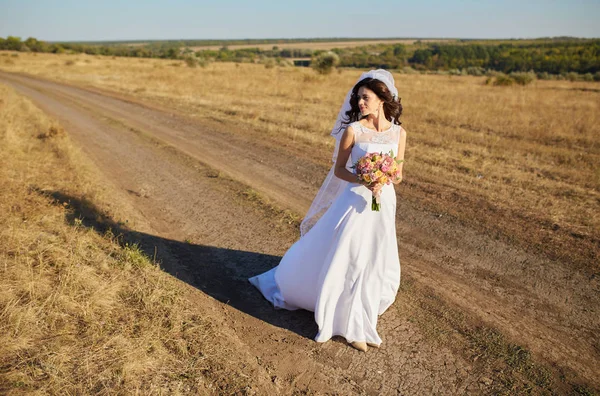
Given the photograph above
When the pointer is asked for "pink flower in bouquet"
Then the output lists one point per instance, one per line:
(378, 169)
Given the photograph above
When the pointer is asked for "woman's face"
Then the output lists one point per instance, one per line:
(368, 101)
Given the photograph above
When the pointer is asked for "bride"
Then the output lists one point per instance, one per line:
(345, 266)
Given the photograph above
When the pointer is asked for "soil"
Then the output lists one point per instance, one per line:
(199, 188)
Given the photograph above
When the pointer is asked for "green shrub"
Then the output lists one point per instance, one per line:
(194, 61)
(325, 62)
(523, 78)
(545, 76)
(475, 71)
(572, 76)
(597, 76)
(588, 77)
(503, 80)
(407, 70)
(269, 63)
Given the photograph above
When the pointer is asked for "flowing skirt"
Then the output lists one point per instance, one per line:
(345, 269)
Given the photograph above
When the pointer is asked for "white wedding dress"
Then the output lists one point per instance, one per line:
(346, 268)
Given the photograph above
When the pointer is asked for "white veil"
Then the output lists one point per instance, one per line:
(332, 186)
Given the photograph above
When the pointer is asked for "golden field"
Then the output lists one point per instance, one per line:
(520, 161)
(529, 153)
(84, 312)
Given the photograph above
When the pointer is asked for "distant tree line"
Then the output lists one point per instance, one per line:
(152, 50)
(580, 56)
(221, 43)
(553, 56)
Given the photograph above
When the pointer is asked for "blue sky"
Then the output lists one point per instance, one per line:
(226, 19)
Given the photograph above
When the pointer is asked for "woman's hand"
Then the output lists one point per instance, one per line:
(374, 187)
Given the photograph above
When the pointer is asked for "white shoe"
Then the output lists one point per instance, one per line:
(360, 345)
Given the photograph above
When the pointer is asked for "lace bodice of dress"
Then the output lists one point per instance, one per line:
(368, 140)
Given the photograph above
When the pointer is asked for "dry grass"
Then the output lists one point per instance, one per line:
(82, 312)
(530, 152)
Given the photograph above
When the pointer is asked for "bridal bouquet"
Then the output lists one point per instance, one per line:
(378, 169)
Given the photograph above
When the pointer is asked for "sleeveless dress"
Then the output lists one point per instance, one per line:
(346, 268)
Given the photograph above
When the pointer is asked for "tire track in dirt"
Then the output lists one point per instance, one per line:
(189, 138)
(479, 275)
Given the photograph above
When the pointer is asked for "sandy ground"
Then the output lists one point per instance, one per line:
(172, 168)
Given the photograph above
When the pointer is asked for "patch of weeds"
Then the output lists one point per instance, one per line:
(583, 390)
(487, 342)
(283, 215)
(542, 376)
(78, 222)
(213, 174)
(252, 195)
(133, 256)
(514, 366)
(53, 131)
(290, 217)
(491, 344)
(517, 357)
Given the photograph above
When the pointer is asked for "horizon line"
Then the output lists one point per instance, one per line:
(340, 38)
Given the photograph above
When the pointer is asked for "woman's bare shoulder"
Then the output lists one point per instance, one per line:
(349, 130)
(402, 131)
(348, 136)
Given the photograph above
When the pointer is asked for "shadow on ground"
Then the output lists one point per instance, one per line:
(221, 273)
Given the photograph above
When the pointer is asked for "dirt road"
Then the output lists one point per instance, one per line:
(205, 216)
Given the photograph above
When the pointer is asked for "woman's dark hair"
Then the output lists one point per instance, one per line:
(391, 108)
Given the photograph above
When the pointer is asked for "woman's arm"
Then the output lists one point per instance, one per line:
(345, 148)
(401, 148)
